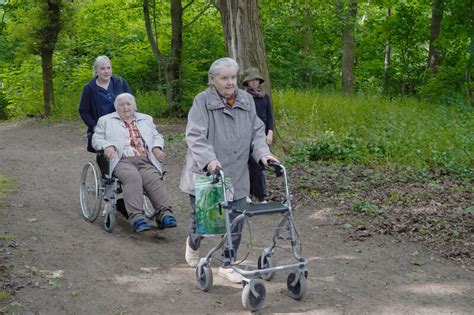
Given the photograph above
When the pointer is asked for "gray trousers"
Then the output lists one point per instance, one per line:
(137, 174)
(236, 232)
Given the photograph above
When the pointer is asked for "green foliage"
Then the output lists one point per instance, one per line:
(303, 42)
(151, 103)
(7, 185)
(367, 208)
(4, 295)
(376, 131)
(22, 86)
(174, 137)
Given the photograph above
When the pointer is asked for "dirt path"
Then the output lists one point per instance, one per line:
(61, 264)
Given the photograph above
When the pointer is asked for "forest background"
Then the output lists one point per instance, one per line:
(377, 93)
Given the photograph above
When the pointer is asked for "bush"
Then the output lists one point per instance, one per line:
(375, 131)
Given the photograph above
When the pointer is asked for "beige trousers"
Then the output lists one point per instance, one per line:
(137, 175)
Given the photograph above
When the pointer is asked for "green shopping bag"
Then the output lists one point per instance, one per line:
(209, 219)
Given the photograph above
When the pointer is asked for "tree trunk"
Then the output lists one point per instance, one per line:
(244, 36)
(173, 86)
(348, 50)
(307, 33)
(434, 57)
(387, 58)
(470, 64)
(48, 88)
(172, 63)
(149, 32)
(49, 36)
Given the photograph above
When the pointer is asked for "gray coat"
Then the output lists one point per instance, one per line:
(111, 131)
(214, 132)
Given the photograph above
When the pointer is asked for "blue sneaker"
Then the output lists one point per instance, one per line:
(166, 221)
(140, 225)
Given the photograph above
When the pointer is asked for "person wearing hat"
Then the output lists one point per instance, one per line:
(252, 83)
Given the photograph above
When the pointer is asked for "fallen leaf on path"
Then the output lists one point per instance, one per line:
(54, 274)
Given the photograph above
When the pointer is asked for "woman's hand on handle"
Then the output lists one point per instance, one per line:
(211, 166)
(269, 159)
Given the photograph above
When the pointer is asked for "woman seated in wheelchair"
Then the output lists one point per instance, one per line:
(134, 148)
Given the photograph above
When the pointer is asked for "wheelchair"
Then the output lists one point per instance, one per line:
(254, 292)
(99, 185)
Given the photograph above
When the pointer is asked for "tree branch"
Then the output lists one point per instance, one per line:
(149, 33)
(198, 15)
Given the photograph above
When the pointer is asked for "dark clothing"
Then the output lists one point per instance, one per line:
(107, 98)
(257, 178)
(264, 111)
(95, 103)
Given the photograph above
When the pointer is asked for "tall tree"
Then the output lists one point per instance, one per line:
(243, 35)
(307, 34)
(36, 32)
(470, 63)
(171, 63)
(348, 18)
(387, 57)
(47, 36)
(434, 56)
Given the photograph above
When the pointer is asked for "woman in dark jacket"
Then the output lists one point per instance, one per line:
(98, 96)
(253, 84)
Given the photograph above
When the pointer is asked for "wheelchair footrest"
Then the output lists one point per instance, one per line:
(262, 208)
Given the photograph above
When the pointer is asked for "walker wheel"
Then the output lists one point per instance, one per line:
(253, 296)
(265, 261)
(204, 277)
(297, 285)
(109, 219)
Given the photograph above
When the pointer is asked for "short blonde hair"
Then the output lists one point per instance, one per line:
(99, 60)
(124, 97)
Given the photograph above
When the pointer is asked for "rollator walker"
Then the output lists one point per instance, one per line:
(254, 292)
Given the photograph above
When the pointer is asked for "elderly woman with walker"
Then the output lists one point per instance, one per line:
(222, 129)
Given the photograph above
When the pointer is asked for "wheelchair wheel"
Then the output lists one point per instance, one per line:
(253, 296)
(265, 261)
(204, 277)
(90, 191)
(297, 285)
(109, 218)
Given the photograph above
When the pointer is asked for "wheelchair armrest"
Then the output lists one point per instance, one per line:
(102, 162)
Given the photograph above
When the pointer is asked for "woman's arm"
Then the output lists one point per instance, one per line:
(196, 134)
(85, 107)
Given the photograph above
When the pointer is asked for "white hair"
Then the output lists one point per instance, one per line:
(124, 97)
(222, 63)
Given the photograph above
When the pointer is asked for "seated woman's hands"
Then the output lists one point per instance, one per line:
(109, 152)
(159, 154)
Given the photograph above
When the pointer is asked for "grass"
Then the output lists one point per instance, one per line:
(7, 186)
(376, 131)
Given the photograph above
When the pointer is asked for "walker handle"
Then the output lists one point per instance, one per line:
(276, 167)
(216, 174)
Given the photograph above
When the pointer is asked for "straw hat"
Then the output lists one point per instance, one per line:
(252, 74)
